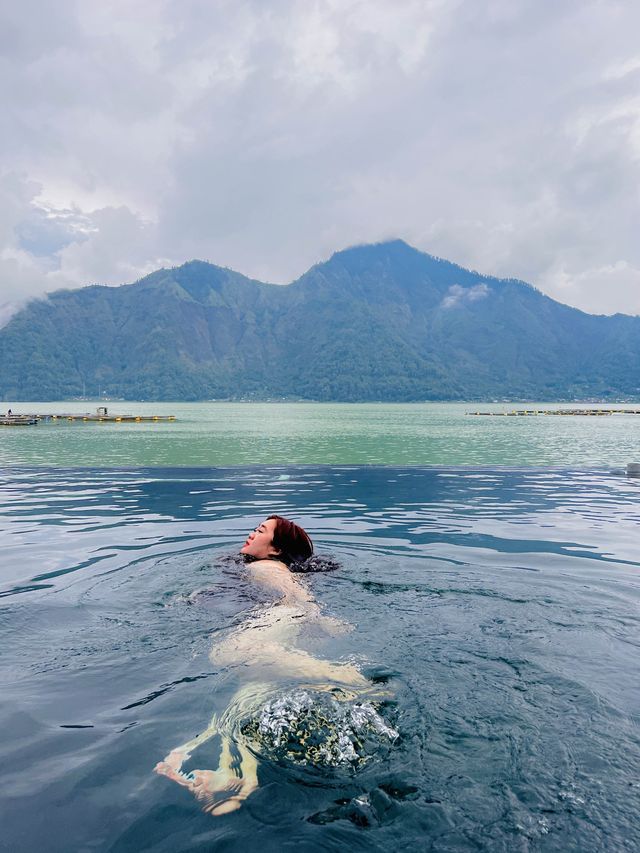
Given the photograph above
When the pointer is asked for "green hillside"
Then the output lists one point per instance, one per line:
(379, 322)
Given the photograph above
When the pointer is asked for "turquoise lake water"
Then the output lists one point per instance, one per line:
(488, 572)
(317, 433)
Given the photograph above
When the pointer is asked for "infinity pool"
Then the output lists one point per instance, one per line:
(498, 607)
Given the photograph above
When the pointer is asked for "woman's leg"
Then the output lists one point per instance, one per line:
(171, 766)
(225, 789)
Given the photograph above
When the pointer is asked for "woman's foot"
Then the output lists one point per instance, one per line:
(221, 791)
(171, 767)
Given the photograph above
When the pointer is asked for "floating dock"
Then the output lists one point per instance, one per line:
(17, 420)
(518, 413)
(101, 416)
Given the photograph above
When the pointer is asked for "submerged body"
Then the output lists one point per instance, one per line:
(265, 642)
(263, 651)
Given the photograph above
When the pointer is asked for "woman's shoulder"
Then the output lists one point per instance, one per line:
(268, 565)
(276, 576)
(270, 573)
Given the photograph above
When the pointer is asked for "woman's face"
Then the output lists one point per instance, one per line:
(259, 542)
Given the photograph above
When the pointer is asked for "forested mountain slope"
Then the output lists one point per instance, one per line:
(378, 322)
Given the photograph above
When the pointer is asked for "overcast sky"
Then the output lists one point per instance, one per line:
(501, 134)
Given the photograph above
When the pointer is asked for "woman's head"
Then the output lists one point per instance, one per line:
(277, 538)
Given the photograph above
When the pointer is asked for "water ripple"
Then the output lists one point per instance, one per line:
(500, 607)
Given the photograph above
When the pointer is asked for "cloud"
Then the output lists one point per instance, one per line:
(458, 295)
(504, 136)
(45, 249)
(602, 290)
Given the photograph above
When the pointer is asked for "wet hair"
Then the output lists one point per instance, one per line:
(315, 563)
(295, 549)
(291, 541)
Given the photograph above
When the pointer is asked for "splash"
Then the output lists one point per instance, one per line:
(318, 730)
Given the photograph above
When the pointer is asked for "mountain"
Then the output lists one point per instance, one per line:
(375, 322)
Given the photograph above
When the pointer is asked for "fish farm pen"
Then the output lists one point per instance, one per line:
(101, 416)
(533, 412)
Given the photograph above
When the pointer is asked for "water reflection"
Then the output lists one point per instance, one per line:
(47, 515)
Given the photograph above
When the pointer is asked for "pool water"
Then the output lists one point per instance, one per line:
(497, 609)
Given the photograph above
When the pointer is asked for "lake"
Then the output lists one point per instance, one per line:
(322, 433)
(488, 573)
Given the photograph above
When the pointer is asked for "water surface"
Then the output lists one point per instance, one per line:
(219, 434)
(500, 605)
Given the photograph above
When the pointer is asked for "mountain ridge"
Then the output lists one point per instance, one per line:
(379, 321)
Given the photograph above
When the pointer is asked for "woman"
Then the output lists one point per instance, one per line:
(262, 647)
